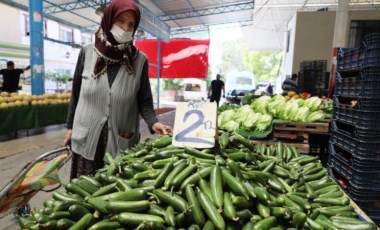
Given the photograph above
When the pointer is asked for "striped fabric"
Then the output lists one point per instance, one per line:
(99, 103)
(41, 175)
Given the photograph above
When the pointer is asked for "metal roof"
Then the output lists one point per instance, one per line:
(264, 21)
(177, 14)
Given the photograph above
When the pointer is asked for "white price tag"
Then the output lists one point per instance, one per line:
(195, 125)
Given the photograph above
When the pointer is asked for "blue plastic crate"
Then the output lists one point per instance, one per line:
(363, 149)
(351, 159)
(356, 194)
(313, 65)
(353, 180)
(363, 113)
(368, 55)
(355, 131)
(363, 84)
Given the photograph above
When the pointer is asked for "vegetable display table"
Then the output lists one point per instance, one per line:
(30, 117)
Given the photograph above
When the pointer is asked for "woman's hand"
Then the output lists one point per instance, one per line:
(67, 139)
(161, 128)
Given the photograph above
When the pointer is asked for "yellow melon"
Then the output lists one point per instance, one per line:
(4, 94)
(11, 104)
(25, 103)
(18, 103)
(3, 105)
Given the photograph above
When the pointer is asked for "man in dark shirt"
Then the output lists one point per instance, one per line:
(216, 89)
(11, 77)
(289, 84)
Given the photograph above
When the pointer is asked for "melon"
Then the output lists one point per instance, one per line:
(3, 105)
(4, 94)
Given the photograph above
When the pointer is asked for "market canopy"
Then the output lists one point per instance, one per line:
(160, 18)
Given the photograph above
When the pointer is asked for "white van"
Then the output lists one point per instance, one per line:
(194, 89)
(243, 80)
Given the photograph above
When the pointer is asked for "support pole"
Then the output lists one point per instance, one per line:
(36, 46)
(340, 31)
(341, 23)
(158, 71)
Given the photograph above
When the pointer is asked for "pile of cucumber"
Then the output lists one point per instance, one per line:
(236, 185)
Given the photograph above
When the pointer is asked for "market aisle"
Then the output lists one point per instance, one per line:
(26, 149)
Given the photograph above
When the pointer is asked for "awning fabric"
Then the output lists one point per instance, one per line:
(180, 58)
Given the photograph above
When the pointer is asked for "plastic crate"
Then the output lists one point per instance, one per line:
(363, 113)
(368, 55)
(356, 162)
(354, 180)
(314, 65)
(365, 83)
(355, 132)
(363, 149)
(315, 82)
(356, 194)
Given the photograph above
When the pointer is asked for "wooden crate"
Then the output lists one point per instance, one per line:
(301, 147)
(311, 127)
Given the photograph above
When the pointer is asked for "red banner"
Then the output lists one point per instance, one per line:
(180, 58)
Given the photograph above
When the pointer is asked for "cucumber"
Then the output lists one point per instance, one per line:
(234, 184)
(105, 225)
(331, 188)
(263, 210)
(265, 224)
(300, 201)
(169, 216)
(83, 223)
(352, 226)
(314, 225)
(196, 177)
(64, 224)
(75, 189)
(210, 210)
(299, 219)
(262, 195)
(162, 142)
(77, 211)
(117, 207)
(216, 185)
(172, 199)
(85, 185)
(105, 190)
(59, 215)
(333, 201)
(128, 218)
(91, 180)
(195, 207)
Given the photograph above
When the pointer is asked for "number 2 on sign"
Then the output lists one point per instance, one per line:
(195, 125)
(181, 136)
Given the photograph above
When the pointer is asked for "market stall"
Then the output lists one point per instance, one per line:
(22, 112)
(235, 185)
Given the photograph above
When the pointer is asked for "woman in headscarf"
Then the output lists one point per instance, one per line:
(110, 90)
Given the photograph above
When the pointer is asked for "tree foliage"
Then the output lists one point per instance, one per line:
(264, 65)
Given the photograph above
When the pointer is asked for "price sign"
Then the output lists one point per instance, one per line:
(195, 125)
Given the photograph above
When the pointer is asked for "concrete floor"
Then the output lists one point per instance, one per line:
(15, 154)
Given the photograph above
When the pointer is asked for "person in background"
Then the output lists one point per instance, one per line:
(111, 90)
(215, 90)
(270, 89)
(69, 85)
(11, 77)
(290, 84)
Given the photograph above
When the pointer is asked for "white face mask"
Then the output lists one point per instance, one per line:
(120, 35)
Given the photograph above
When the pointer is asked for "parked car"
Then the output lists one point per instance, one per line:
(194, 90)
(235, 95)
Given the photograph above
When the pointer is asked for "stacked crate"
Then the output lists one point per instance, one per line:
(313, 77)
(354, 151)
